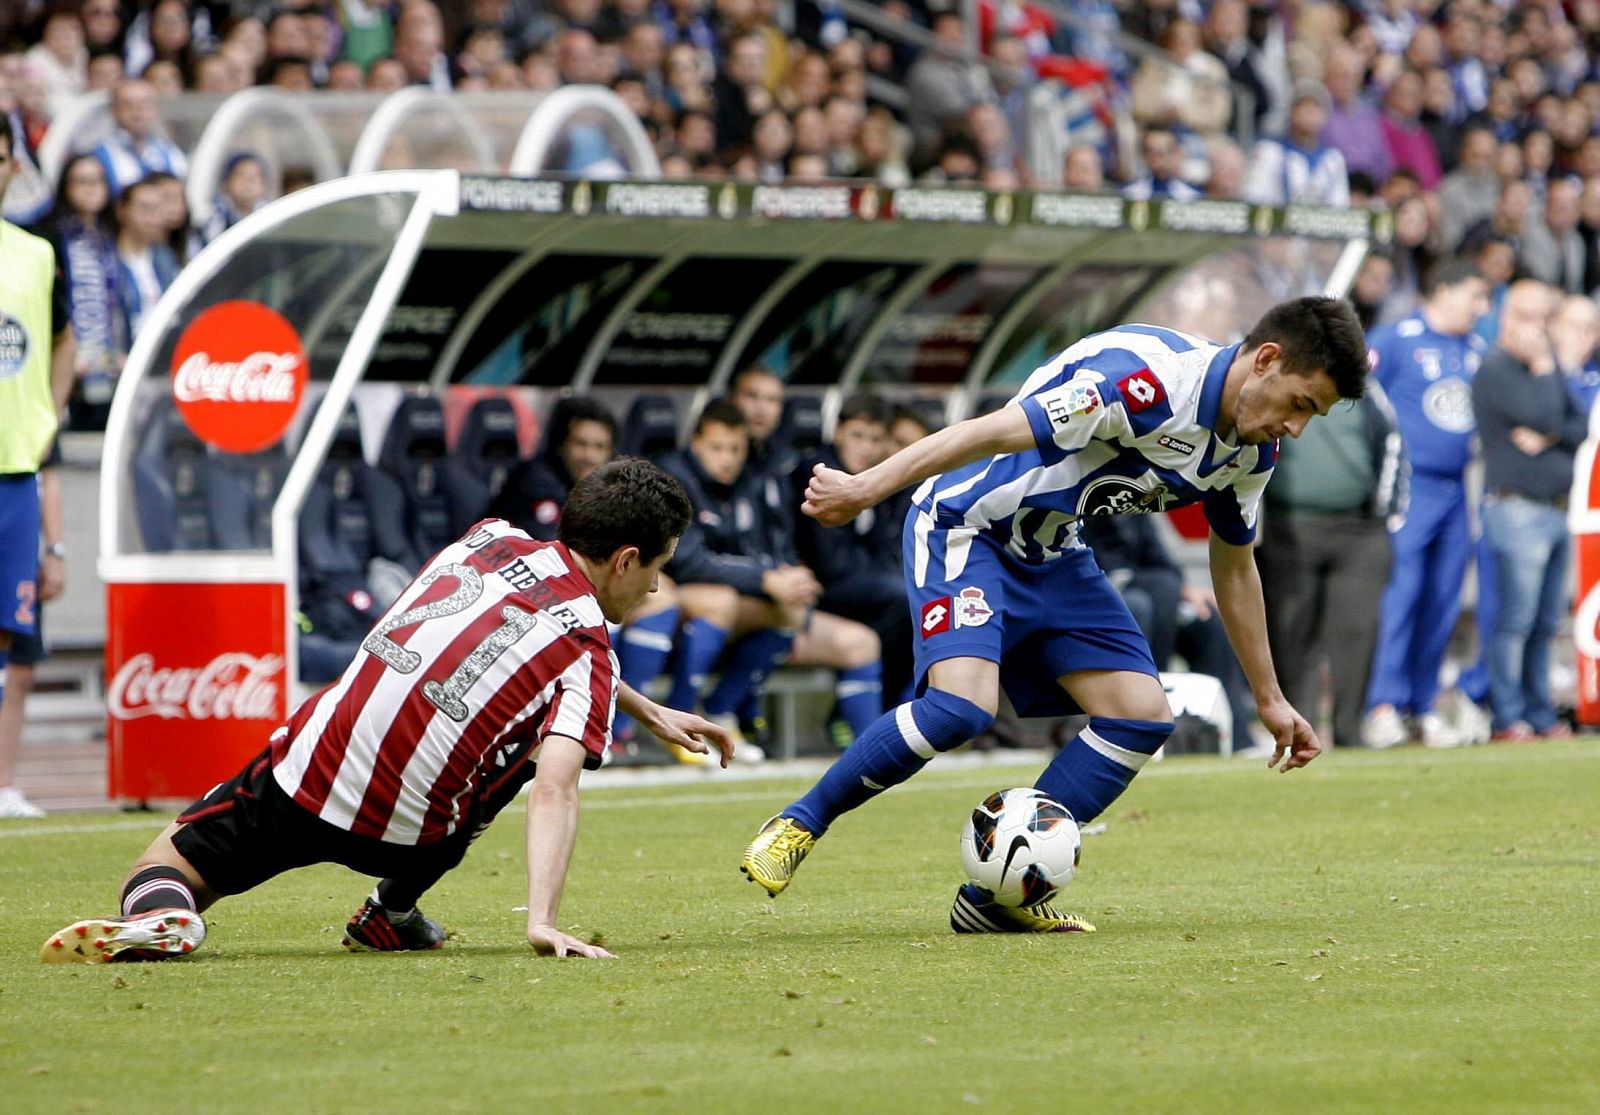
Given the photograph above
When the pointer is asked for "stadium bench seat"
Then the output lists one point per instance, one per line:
(651, 428)
(801, 425)
(172, 484)
(486, 451)
(414, 499)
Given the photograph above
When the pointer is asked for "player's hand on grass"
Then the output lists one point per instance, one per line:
(1297, 743)
(833, 497)
(692, 733)
(547, 940)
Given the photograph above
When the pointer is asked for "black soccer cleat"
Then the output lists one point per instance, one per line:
(372, 931)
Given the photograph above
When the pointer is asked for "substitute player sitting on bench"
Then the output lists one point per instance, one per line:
(493, 668)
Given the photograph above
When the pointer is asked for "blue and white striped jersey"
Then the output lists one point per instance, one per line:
(1124, 423)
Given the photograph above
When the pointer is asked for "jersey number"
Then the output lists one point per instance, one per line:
(446, 695)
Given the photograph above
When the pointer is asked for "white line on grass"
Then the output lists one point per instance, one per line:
(977, 770)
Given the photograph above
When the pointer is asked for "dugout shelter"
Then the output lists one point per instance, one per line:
(353, 331)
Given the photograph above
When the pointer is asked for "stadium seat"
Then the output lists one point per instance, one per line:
(172, 485)
(801, 425)
(485, 453)
(419, 509)
(245, 487)
(651, 428)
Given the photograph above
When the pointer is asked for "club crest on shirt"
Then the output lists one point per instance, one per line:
(971, 609)
(13, 346)
(1118, 495)
(1448, 405)
(1432, 365)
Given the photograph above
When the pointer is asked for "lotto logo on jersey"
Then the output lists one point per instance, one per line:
(936, 616)
(1141, 390)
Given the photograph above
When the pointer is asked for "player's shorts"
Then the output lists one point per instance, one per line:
(248, 830)
(970, 598)
(19, 552)
(30, 649)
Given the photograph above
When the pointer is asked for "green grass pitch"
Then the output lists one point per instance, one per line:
(1396, 932)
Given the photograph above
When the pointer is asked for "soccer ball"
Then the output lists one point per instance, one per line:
(1021, 847)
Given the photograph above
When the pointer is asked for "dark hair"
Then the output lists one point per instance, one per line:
(911, 414)
(576, 408)
(866, 407)
(723, 413)
(1449, 272)
(5, 133)
(1317, 334)
(625, 502)
(752, 370)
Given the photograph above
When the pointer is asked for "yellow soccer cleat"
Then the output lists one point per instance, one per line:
(974, 913)
(155, 935)
(776, 853)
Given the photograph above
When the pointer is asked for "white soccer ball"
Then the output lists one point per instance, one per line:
(1020, 846)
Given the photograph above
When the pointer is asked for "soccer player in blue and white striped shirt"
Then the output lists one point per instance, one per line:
(1134, 420)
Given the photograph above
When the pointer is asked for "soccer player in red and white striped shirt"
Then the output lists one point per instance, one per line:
(492, 667)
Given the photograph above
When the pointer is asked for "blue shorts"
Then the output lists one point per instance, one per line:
(19, 553)
(30, 649)
(970, 598)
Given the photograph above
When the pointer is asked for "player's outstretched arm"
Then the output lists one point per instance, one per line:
(688, 731)
(834, 497)
(552, 832)
(1238, 588)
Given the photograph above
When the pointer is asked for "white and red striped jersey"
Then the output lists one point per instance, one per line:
(498, 642)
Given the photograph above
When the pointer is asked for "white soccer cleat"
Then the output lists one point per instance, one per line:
(1438, 733)
(155, 935)
(1472, 723)
(1385, 728)
(14, 806)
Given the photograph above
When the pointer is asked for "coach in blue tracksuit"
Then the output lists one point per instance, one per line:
(1426, 363)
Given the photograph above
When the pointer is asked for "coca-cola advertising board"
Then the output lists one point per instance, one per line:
(238, 375)
(1585, 521)
(196, 683)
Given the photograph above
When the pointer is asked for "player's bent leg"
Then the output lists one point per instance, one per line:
(897, 745)
(161, 903)
(853, 649)
(645, 646)
(1129, 720)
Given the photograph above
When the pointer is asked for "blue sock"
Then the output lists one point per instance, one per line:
(1096, 765)
(860, 693)
(699, 645)
(746, 666)
(642, 653)
(750, 707)
(897, 745)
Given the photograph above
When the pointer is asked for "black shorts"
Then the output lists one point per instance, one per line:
(247, 830)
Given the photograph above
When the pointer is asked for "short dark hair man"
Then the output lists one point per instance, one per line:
(495, 658)
(580, 437)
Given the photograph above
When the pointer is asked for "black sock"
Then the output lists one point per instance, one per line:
(157, 888)
(398, 899)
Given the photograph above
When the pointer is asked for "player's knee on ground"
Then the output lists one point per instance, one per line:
(942, 721)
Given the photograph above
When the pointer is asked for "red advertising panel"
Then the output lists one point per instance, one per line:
(238, 374)
(1584, 519)
(196, 682)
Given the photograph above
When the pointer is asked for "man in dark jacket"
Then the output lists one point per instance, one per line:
(1324, 554)
(1530, 427)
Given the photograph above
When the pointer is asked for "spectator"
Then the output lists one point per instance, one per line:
(29, 649)
(580, 437)
(907, 426)
(1324, 553)
(60, 57)
(1506, 221)
(1425, 366)
(135, 147)
(1503, 114)
(147, 262)
(387, 75)
(738, 581)
(1227, 163)
(844, 119)
(1440, 118)
(102, 27)
(419, 45)
(882, 154)
(244, 190)
(181, 238)
(368, 30)
(344, 76)
(1530, 426)
(1300, 169)
(956, 164)
(1372, 286)
(941, 86)
(1413, 257)
(1163, 160)
(774, 138)
(1189, 90)
(1469, 193)
(1228, 36)
(81, 230)
(1083, 170)
(1575, 335)
(740, 91)
(1553, 250)
(1408, 141)
(104, 71)
(1354, 126)
(987, 127)
(171, 39)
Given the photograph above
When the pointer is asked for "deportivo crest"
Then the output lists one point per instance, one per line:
(1141, 390)
(1448, 405)
(971, 609)
(14, 346)
(1432, 364)
(1080, 399)
(1118, 495)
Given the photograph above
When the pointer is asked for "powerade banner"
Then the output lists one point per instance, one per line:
(867, 201)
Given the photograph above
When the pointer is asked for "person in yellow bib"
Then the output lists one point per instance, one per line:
(36, 370)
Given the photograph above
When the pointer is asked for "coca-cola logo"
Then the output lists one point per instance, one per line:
(232, 686)
(239, 373)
